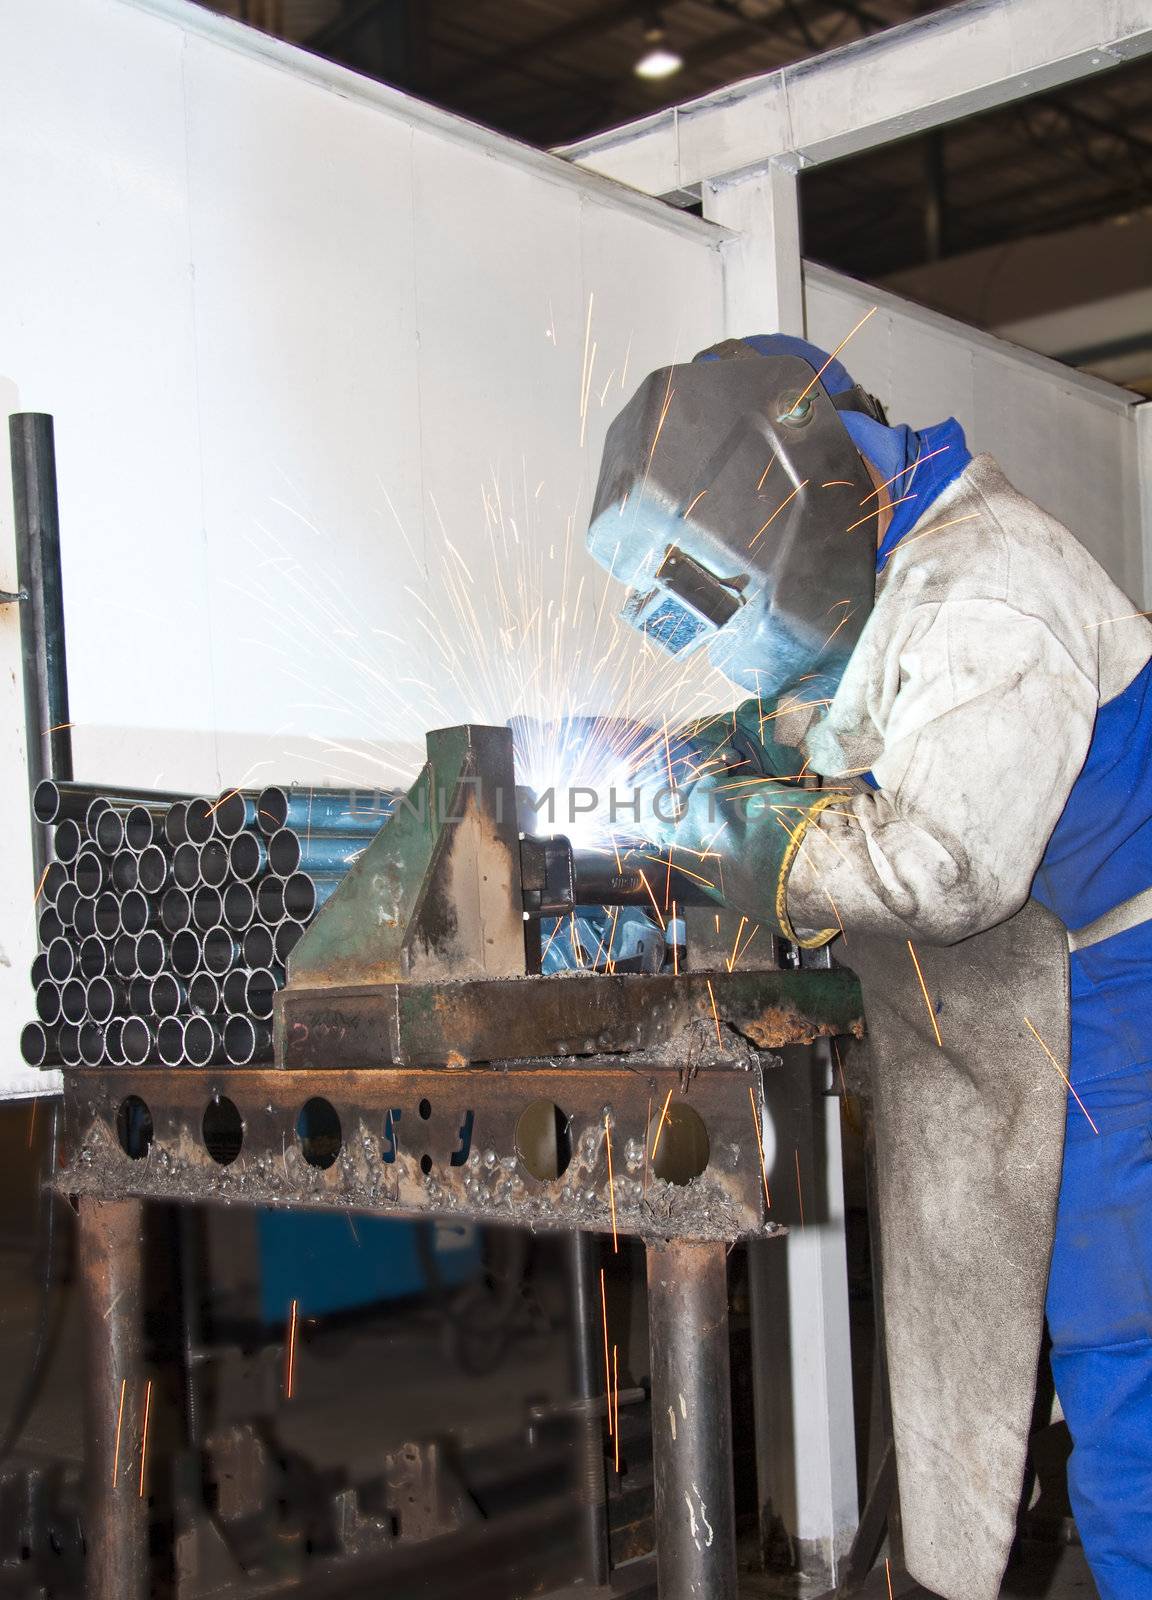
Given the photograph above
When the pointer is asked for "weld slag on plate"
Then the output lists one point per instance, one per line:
(489, 1187)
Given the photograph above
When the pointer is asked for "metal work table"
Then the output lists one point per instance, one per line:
(652, 1106)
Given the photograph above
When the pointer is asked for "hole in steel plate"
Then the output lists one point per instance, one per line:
(425, 1109)
(223, 1130)
(318, 1130)
(543, 1141)
(460, 1155)
(391, 1141)
(134, 1127)
(680, 1147)
(425, 1164)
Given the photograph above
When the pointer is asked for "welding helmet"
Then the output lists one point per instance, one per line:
(734, 504)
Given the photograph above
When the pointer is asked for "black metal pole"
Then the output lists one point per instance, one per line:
(118, 1400)
(590, 1402)
(37, 522)
(692, 1421)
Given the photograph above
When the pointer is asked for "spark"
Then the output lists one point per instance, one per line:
(888, 1575)
(607, 1366)
(660, 1124)
(40, 885)
(878, 511)
(32, 1120)
(675, 942)
(144, 1434)
(228, 795)
(938, 528)
(833, 356)
(585, 369)
(1129, 616)
(760, 1146)
(290, 1364)
(799, 1190)
(616, 1409)
(736, 943)
(785, 502)
(651, 896)
(738, 955)
(688, 510)
(715, 1013)
(119, 1428)
(838, 483)
(1063, 1074)
(848, 615)
(611, 1182)
(909, 470)
(764, 474)
(924, 992)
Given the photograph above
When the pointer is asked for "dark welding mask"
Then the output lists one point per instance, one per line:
(738, 510)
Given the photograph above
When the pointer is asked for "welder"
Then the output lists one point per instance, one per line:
(975, 696)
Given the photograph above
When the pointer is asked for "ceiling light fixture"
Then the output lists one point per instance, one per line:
(658, 61)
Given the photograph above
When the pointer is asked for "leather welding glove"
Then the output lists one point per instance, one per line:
(736, 811)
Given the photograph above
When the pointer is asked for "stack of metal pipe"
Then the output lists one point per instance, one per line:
(166, 921)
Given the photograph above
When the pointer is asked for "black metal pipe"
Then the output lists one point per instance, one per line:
(586, 1381)
(48, 728)
(289, 852)
(40, 1045)
(49, 926)
(185, 952)
(114, 1042)
(170, 1041)
(68, 1043)
(259, 947)
(200, 819)
(235, 811)
(204, 997)
(246, 1041)
(260, 991)
(66, 903)
(314, 811)
(137, 1040)
(55, 800)
(221, 950)
(47, 1005)
(152, 953)
(125, 956)
(692, 1420)
(68, 839)
(203, 1042)
(74, 1001)
(175, 832)
(39, 970)
(106, 999)
(167, 996)
(84, 917)
(287, 936)
(92, 957)
(93, 873)
(207, 907)
(111, 1262)
(153, 870)
(56, 875)
(214, 863)
(92, 1042)
(247, 856)
(61, 959)
(144, 824)
(186, 865)
(175, 910)
(125, 871)
(108, 912)
(108, 831)
(239, 906)
(138, 911)
(234, 992)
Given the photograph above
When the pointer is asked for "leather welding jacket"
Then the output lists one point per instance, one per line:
(961, 728)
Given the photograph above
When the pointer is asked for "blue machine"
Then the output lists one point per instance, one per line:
(330, 1262)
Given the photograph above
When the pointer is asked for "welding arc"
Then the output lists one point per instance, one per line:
(165, 929)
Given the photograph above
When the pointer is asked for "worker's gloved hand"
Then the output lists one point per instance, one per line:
(734, 808)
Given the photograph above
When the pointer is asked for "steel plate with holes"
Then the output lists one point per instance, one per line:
(540, 1144)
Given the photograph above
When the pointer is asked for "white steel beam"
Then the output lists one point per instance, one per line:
(965, 59)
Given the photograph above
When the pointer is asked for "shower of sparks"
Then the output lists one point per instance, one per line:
(607, 1364)
(924, 992)
(660, 1124)
(760, 1145)
(1063, 1074)
(611, 1181)
(119, 1430)
(799, 1189)
(849, 335)
(144, 1434)
(715, 1013)
(290, 1357)
(616, 1409)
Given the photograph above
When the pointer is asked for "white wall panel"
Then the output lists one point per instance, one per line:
(1066, 440)
(293, 328)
